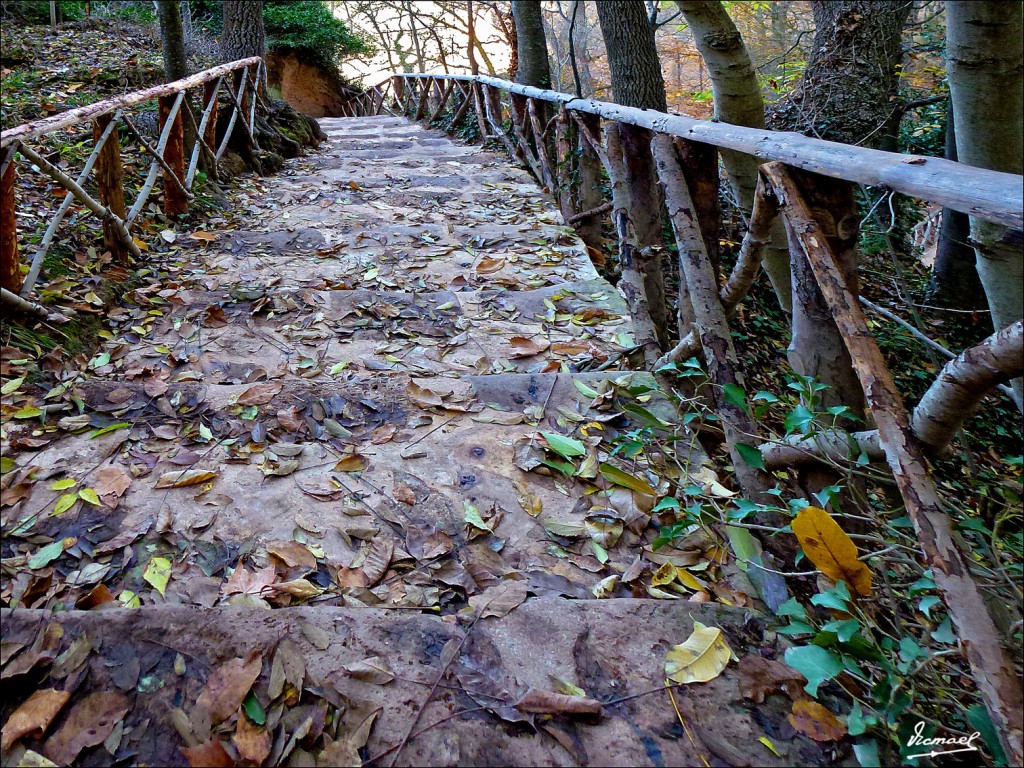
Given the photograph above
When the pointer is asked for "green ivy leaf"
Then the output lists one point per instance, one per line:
(735, 395)
(818, 665)
(254, 710)
(566, 447)
(751, 455)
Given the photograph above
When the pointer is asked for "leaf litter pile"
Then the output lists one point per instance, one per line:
(370, 484)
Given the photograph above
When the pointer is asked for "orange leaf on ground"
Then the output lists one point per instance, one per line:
(228, 685)
(812, 719)
(831, 549)
(34, 716)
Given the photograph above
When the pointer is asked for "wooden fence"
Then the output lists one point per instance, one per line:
(104, 171)
(558, 138)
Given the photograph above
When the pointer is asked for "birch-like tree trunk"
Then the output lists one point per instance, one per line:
(637, 82)
(985, 65)
(738, 102)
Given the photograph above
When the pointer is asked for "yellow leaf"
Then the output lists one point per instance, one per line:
(701, 658)
(64, 503)
(89, 496)
(830, 549)
(527, 499)
(768, 743)
(687, 579)
(353, 462)
(184, 477)
(664, 575)
(158, 573)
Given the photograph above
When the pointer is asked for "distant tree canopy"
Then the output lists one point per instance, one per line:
(304, 28)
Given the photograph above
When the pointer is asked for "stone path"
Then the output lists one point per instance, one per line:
(319, 443)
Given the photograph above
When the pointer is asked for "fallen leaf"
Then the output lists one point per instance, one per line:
(288, 667)
(209, 754)
(227, 687)
(528, 500)
(760, 677)
(373, 670)
(830, 549)
(700, 658)
(260, 394)
(252, 742)
(158, 573)
(90, 721)
(499, 599)
(489, 264)
(33, 717)
(524, 346)
(548, 703)
(812, 719)
(246, 582)
(353, 462)
(184, 477)
(111, 484)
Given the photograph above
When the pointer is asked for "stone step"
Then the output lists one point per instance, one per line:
(402, 489)
(155, 662)
(213, 335)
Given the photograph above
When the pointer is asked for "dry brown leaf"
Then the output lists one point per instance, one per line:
(489, 264)
(246, 582)
(260, 394)
(292, 554)
(291, 419)
(184, 477)
(373, 670)
(252, 742)
(90, 721)
(760, 677)
(110, 485)
(228, 686)
(33, 717)
(404, 493)
(812, 719)
(500, 599)
(830, 549)
(524, 346)
(209, 754)
(288, 667)
(527, 499)
(378, 558)
(353, 462)
(548, 703)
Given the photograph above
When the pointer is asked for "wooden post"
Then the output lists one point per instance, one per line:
(449, 84)
(109, 176)
(590, 196)
(175, 202)
(421, 107)
(631, 284)
(563, 166)
(992, 667)
(10, 257)
(210, 94)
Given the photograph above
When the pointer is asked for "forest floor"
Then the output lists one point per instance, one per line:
(351, 402)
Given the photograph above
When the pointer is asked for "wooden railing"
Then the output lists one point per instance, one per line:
(104, 171)
(558, 138)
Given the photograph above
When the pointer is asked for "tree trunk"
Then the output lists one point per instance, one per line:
(632, 55)
(848, 91)
(531, 44)
(954, 281)
(244, 34)
(986, 80)
(738, 102)
(637, 82)
(172, 39)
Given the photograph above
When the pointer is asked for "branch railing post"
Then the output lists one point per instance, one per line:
(992, 667)
(10, 261)
(110, 182)
(175, 202)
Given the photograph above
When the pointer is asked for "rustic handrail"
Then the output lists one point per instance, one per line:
(43, 126)
(105, 159)
(985, 194)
